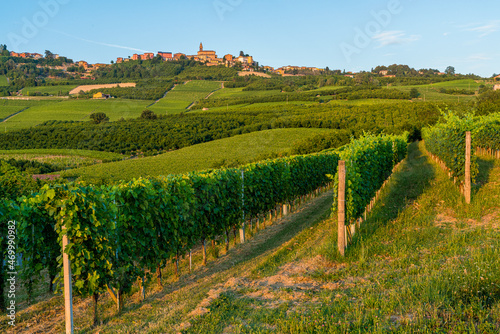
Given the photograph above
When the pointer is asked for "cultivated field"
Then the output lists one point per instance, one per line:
(182, 96)
(61, 90)
(76, 110)
(62, 158)
(215, 154)
(239, 92)
(88, 88)
(258, 74)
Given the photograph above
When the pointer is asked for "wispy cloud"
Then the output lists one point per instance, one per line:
(484, 29)
(394, 37)
(479, 57)
(97, 42)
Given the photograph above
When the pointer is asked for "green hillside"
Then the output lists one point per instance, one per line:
(224, 152)
(76, 110)
(182, 96)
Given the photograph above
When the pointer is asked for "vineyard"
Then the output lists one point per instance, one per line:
(121, 232)
(447, 140)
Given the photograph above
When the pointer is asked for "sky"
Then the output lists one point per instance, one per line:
(347, 35)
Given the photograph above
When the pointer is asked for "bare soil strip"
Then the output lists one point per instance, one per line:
(88, 88)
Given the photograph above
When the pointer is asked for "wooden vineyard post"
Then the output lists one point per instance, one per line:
(68, 291)
(467, 189)
(341, 209)
(285, 209)
(242, 229)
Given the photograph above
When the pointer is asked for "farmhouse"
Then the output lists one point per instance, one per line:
(497, 78)
(101, 96)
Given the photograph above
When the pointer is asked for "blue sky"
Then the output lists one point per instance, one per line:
(351, 35)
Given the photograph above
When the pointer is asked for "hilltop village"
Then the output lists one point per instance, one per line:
(207, 57)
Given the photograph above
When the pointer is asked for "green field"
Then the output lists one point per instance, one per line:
(76, 110)
(229, 151)
(6, 111)
(3, 81)
(431, 92)
(239, 92)
(62, 90)
(62, 158)
(182, 96)
(9, 107)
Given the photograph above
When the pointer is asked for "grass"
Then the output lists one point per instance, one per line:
(423, 262)
(3, 80)
(182, 96)
(61, 90)
(224, 152)
(76, 110)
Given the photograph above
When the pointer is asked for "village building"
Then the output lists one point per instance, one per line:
(83, 64)
(97, 66)
(119, 60)
(147, 56)
(206, 55)
(165, 55)
(245, 60)
(178, 56)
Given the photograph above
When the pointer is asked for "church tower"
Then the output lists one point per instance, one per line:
(201, 46)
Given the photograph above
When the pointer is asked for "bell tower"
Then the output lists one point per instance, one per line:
(201, 46)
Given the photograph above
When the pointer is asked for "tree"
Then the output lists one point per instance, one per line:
(99, 117)
(3, 50)
(148, 114)
(48, 54)
(414, 93)
(450, 70)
